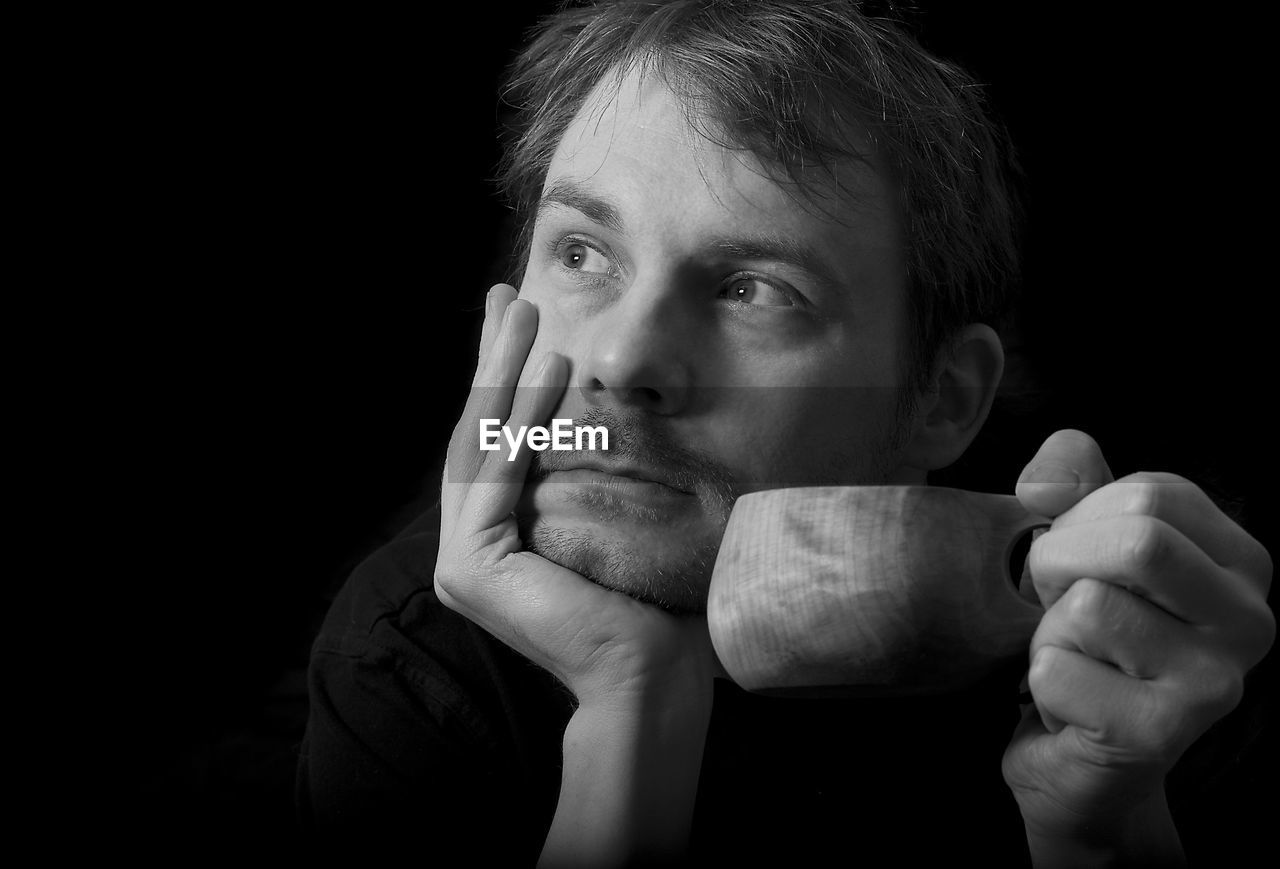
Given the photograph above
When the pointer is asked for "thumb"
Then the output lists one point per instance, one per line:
(1068, 466)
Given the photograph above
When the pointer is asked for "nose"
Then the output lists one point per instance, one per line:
(638, 355)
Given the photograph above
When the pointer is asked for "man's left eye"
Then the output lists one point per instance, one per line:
(581, 257)
(753, 291)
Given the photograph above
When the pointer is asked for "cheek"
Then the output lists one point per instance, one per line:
(809, 436)
(554, 326)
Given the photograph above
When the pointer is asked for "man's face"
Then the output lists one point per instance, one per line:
(731, 336)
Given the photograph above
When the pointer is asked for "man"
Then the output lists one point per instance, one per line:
(766, 246)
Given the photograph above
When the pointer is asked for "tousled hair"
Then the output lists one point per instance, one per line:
(804, 85)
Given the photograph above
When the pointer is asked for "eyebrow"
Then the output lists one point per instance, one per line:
(780, 249)
(579, 197)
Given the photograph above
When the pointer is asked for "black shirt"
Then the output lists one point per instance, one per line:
(427, 733)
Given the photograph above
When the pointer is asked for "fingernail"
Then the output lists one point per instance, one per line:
(1055, 474)
(488, 304)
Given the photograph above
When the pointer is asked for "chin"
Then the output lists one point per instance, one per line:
(660, 569)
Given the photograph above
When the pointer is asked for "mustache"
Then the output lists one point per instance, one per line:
(642, 439)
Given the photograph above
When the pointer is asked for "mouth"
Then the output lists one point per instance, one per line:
(618, 474)
(596, 484)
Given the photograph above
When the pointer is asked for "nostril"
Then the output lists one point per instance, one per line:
(647, 394)
(634, 395)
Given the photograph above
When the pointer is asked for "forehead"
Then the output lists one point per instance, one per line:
(633, 140)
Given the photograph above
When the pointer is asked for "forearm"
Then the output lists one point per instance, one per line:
(630, 778)
(1146, 838)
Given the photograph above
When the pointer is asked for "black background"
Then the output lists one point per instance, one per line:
(309, 234)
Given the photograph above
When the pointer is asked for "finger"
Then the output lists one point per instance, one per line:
(496, 302)
(1071, 688)
(1067, 467)
(495, 307)
(492, 392)
(506, 357)
(1109, 624)
(1149, 558)
(504, 348)
(501, 479)
(1186, 507)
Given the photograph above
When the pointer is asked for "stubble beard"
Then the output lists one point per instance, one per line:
(677, 581)
(674, 576)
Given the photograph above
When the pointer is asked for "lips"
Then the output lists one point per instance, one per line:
(627, 471)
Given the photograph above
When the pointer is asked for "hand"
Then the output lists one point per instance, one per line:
(601, 644)
(1155, 609)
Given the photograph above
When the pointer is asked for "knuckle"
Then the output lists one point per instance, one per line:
(1148, 492)
(1142, 495)
(1044, 662)
(1156, 478)
(1143, 545)
(1087, 601)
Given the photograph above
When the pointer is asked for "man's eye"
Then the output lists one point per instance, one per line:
(583, 258)
(754, 291)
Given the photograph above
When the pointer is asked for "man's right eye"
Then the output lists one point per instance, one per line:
(579, 256)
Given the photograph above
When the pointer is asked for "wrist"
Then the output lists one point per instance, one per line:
(642, 678)
(630, 776)
(1145, 836)
(667, 703)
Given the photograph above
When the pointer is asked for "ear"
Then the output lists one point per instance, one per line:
(950, 414)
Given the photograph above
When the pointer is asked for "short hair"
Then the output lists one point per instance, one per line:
(794, 81)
